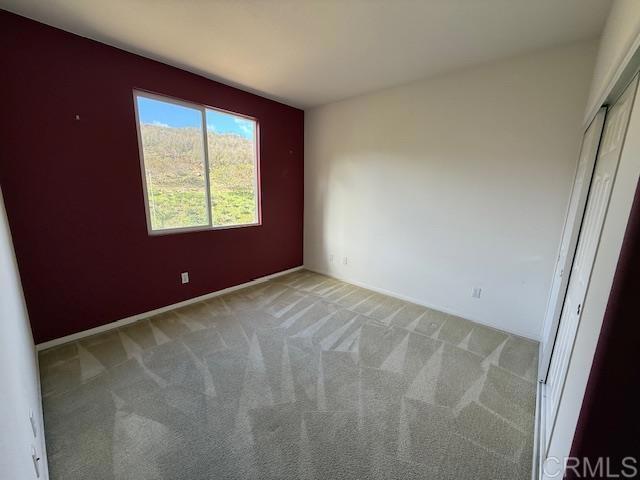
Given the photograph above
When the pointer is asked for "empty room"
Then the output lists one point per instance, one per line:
(319, 239)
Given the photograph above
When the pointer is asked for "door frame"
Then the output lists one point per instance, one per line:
(623, 119)
(560, 446)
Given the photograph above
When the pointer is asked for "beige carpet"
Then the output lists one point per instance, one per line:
(302, 377)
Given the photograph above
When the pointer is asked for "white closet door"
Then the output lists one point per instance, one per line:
(598, 200)
(573, 220)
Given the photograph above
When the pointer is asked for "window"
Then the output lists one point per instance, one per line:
(199, 165)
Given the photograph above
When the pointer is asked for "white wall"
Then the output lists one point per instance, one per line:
(20, 387)
(619, 40)
(459, 181)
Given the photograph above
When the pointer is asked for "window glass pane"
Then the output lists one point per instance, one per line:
(173, 151)
(232, 162)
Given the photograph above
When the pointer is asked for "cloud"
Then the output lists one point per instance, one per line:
(246, 126)
(159, 124)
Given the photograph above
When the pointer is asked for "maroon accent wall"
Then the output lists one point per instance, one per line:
(73, 189)
(609, 421)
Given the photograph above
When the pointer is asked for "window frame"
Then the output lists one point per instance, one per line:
(209, 194)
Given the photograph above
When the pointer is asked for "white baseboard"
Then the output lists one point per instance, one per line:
(407, 298)
(126, 321)
(538, 448)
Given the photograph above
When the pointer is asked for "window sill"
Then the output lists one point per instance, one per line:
(204, 228)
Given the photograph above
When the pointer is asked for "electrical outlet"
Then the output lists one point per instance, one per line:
(345, 261)
(185, 277)
(331, 258)
(476, 292)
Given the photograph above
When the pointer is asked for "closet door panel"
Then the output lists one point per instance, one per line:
(589, 238)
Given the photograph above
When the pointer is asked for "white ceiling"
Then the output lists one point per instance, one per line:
(310, 52)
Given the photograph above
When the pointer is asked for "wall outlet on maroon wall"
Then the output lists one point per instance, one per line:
(67, 71)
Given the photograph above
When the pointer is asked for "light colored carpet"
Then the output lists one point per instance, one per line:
(302, 377)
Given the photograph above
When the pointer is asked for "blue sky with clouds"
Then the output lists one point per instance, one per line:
(172, 115)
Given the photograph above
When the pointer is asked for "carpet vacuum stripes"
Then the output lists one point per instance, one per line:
(300, 377)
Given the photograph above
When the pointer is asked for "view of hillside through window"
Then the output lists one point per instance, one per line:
(175, 165)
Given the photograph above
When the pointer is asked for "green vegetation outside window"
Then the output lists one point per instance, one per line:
(199, 165)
